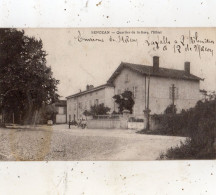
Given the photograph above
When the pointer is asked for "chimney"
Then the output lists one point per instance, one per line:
(187, 67)
(91, 86)
(87, 87)
(155, 64)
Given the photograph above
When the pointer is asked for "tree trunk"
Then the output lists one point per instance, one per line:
(28, 114)
(2, 124)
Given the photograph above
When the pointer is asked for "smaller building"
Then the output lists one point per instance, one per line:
(79, 102)
(61, 109)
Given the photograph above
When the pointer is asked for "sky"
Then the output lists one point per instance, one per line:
(81, 56)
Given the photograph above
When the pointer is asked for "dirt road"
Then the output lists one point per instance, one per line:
(60, 143)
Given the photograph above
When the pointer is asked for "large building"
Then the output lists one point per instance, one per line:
(165, 87)
(163, 83)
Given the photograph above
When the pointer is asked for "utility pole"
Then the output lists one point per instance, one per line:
(173, 102)
(173, 97)
(147, 110)
(145, 92)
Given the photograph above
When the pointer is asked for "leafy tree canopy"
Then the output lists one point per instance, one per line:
(99, 109)
(171, 109)
(125, 101)
(25, 80)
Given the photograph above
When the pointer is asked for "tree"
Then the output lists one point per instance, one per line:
(99, 109)
(50, 112)
(86, 113)
(171, 109)
(199, 125)
(25, 80)
(125, 101)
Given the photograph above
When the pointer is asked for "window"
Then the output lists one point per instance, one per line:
(61, 110)
(135, 90)
(176, 93)
(96, 102)
(126, 78)
(80, 105)
(75, 105)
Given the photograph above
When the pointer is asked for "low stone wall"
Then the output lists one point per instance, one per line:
(154, 125)
(121, 123)
(136, 125)
(107, 124)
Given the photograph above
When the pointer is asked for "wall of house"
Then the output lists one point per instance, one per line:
(130, 80)
(77, 105)
(188, 92)
(61, 115)
(109, 101)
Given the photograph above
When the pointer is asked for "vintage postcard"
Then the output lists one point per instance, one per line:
(107, 94)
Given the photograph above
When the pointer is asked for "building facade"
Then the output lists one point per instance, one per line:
(153, 87)
(164, 86)
(78, 103)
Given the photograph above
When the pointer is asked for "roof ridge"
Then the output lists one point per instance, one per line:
(85, 91)
(151, 66)
(163, 72)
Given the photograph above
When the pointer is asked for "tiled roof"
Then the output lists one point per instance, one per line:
(61, 103)
(90, 90)
(146, 70)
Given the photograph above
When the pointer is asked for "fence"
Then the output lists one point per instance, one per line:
(111, 116)
(117, 121)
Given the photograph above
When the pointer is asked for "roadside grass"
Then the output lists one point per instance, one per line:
(198, 124)
(188, 151)
(161, 132)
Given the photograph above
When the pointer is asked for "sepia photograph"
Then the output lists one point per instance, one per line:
(107, 94)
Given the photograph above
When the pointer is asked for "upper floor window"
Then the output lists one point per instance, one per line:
(135, 91)
(96, 102)
(61, 110)
(75, 105)
(80, 105)
(126, 78)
